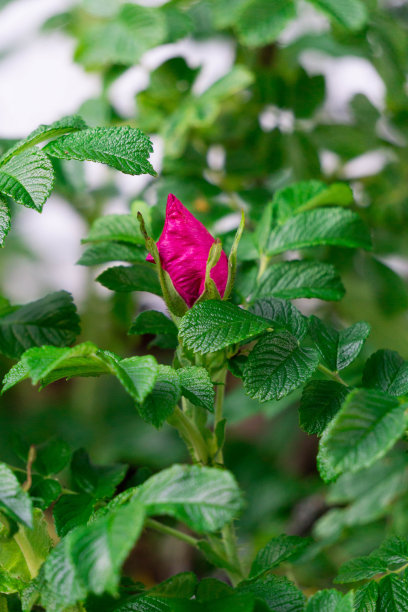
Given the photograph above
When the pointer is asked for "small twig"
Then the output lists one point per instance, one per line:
(32, 454)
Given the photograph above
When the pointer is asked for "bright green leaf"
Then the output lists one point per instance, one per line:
(282, 315)
(261, 21)
(197, 387)
(351, 14)
(104, 252)
(4, 220)
(28, 178)
(116, 228)
(13, 500)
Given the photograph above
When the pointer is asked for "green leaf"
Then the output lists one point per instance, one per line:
(338, 349)
(44, 491)
(28, 178)
(334, 226)
(153, 322)
(278, 592)
(278, 365)
(97, 480)
(279, 549)
(261, 21)
(282, 314)
(70, 511)
(306, 195)
(51, 457)
(116, 228)
(365, 599)
(47, 364)
(330, 600)
(351, 14)
(139, 277)
(4, 220)
(50, 320)
(361, 568)
(297, 279)
(88, 559)
(181, 585)
(214, 325)
(204, 498)
(103, 252)
(197, 387)
(321, 400)
(367, 425)
(13, 500)
(71, 123)
(394, 551)
(388, 371)
(163, 398)
(392, 594)
(124, 148)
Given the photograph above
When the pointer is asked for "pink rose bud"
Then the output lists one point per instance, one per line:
(183, 247)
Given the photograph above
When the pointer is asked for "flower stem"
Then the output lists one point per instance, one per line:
(171, 532)
(190, 433)
(31, 558)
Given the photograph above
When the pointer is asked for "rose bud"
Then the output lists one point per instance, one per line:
(184, 247)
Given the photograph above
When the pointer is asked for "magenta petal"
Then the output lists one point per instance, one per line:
(184, 246)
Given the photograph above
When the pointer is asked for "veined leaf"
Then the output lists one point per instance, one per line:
(296, 279)
(363, 430)
(197, 387)
(139, 277)
(161, 401)
(279, 549)
(365, 599)
(71, 123)
(282, 314)
(50, 320)
(47, 364)
(321, 400)
(102, 252)
(338, 348)
(203, 498)
(334, 226)
(13, 500)
(70, 511)
(213, 325)
(278, 365)
(351, 14)
(28, 178)
(276, 591)
(261, 21)
(392, 594)
(388, 371)
(4, 220)
(116, 228)
(124, 148)
(361, 568)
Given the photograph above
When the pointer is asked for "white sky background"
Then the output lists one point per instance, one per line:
(39, 83)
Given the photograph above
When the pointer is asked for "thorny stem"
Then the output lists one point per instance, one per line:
(333, 375)
(157, 526)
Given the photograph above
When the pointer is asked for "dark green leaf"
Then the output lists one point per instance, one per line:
(124, 148)
(279, 549)
(367, 425)
(44, 491)
(278, 592)
(197, 387)
(365, 599)
(51, 457)
(71, 511)
(203, 498)
(13, 500)
(161, 401)
(338, 349)
(139, 277)
(297, 279)
(96, 480)
(153, 322)
(116, 228)
(213, 325)
(360, 568)
(282, 314)
(330, 600)
(321, 400)
(278, 365)
(50, 320)
(334, 226)
(394, 551)
(181, 585)
(392, 594)
(28, 178)
(386, 370)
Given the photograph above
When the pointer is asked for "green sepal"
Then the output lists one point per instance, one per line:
(174, 301)
(210, 288)
(232, 259)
